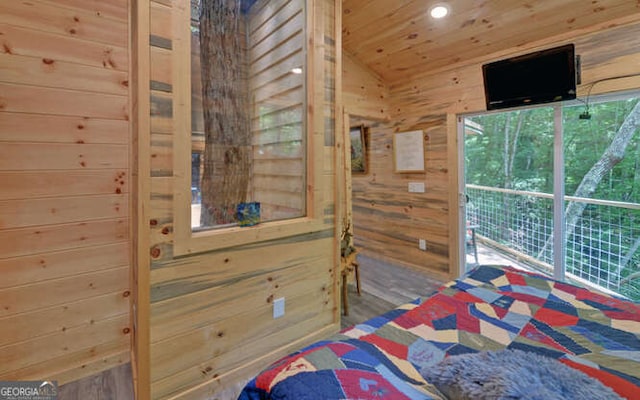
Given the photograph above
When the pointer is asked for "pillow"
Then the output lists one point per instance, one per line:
(512, 374)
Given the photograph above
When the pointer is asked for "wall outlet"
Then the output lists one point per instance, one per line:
(416, 187)
(422, 244)
(278, 307)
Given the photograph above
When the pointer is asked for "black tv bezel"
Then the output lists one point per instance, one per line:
(561, 94)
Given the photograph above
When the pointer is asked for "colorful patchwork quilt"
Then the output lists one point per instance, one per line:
(490, 308)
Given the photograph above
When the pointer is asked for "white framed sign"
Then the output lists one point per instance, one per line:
(408, 151)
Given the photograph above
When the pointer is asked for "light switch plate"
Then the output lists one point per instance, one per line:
(422, 244)
(278, 307)
(416, 187)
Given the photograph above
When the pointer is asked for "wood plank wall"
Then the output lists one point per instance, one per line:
(211, 313)
(277, 46)
(365, 95)
(388, 221)
(64, 197)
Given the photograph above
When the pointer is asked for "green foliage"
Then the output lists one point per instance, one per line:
(585, 141)
(515, 151)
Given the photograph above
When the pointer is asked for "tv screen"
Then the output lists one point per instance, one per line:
(541, 77)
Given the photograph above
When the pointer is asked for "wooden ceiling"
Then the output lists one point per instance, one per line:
(398, 39)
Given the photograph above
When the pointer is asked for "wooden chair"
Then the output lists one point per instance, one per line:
(348, 264)
(470, 241)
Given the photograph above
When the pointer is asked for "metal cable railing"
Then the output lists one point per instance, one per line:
(602, 248)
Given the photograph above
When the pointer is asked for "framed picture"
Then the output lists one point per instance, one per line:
(408, 151)
(359, 162)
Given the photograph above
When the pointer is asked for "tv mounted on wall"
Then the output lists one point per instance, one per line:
(541, 77)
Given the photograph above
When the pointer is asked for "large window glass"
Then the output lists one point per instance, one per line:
(248, 112)
(602, 209)
(511, 171)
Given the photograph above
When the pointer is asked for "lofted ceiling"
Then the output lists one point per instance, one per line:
(398, 39)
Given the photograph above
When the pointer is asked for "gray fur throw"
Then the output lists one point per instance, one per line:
(511, 375)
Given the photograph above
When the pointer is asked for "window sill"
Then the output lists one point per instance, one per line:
(203, 241)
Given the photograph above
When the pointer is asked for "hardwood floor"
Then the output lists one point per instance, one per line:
(364, 307)
(113, 384)
(384, 287)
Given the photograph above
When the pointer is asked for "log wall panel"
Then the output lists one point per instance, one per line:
(230, 329)
(283, 67)
(64, 203)
(50, 17)
(47, 72)
(227, 386)
(263, 23)
(37, 128)
(161, 203)
(196, 274)
(42, 267)
(284, 35)
(57, 344)
(161, 154)
(161, 112)
(86, 362)
(40, 100)
(112, 9)
(160, 26)
(275, 54)
(365, 94)
(206, 307)
(284, 84)
(172, 315)
(61, 210)
(425, 101)
(161, 61)
(62, 156)
(47, 45)
(41, 239)
(56, 291)
(38, 184)
(60, 318)
(256, 339)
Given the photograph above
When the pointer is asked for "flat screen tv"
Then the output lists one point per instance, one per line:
(541, 77)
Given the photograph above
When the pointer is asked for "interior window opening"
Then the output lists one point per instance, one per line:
(248, 119)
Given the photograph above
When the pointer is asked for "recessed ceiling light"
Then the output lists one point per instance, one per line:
(297, 70)
(439, 11)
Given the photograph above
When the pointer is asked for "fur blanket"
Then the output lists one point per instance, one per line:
(513, 374)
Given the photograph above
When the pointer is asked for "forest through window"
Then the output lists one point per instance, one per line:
(509, 170)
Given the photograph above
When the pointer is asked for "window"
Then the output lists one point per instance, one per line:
(247, 110)
(519, 163)
(248, 140)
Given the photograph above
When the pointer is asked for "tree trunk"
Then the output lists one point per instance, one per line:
(611, 156)
(507, 175)
(227, 153)
(510, 148)
(522, 116)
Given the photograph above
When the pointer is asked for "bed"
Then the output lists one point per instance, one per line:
(488, 309)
